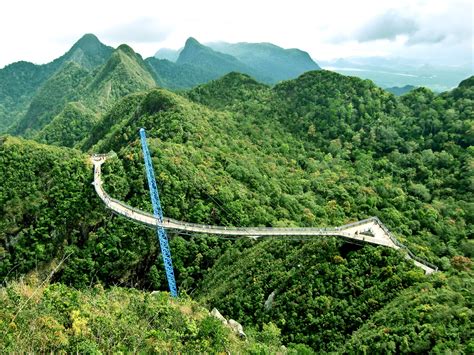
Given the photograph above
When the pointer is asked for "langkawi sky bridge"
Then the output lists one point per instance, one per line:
(370, 230)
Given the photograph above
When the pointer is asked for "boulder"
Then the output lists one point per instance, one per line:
(218, 315)
(237, 328)
(269, 302)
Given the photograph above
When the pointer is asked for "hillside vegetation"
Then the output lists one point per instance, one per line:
(316, 292)
(89, 95)
(97, 75)
(56, 318)
(429, 317)
(21, 81)
(320, 150)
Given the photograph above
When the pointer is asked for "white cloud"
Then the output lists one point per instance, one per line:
(141, 30)
(387, 26)
(40, 31)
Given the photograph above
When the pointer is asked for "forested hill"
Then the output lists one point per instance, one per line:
(93, 93)
(265, 62)
(319, 150)
(95, 75)
(19, 82)
(272, 61)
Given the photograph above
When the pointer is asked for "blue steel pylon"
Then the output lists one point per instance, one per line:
(158, 213)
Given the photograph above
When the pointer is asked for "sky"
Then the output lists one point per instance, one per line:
(431, 31)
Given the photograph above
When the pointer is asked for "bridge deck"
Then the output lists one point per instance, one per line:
(370, 230)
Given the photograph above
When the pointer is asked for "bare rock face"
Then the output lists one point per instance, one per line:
(269, 302)
(237, 328)
(218, 315)
(232, 324)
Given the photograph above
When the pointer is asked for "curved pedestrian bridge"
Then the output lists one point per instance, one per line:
(370, 230)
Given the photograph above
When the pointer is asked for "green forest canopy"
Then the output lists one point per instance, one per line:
(320, 150)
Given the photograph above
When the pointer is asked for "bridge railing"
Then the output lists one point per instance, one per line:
(256, 230)
(167, 220)
(111, 154)
(133, 209)
(358, 223)
(403, 246)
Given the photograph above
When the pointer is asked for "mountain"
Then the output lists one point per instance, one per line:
(20, 82)
(396, 90)
(196, 63)
(178, 77)
(268, 59)
(88, 52)
(91, 94)
(25, 87)
(61, 87)
(168, 54)
(124, 73)
(205, 58)
(319, 150)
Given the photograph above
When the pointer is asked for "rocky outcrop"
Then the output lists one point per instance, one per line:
(232, 324)
(218, 315)
(237, 328)
(269, 302)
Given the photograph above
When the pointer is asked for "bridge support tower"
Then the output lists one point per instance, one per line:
(158, 213)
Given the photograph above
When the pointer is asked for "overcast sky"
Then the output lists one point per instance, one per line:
(430, 30)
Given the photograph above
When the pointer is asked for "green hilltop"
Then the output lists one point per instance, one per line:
(124, 73)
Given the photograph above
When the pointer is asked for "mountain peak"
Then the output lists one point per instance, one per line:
(125, 72)
(88, 51)
(89, 37)
(88, 42)
(126, 49)
(270, 60)
(191, 41)
(199, 55)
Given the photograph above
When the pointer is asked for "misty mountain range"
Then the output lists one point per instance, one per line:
(386, 72)
(93, 76)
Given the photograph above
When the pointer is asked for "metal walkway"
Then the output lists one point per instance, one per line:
(370, 230)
